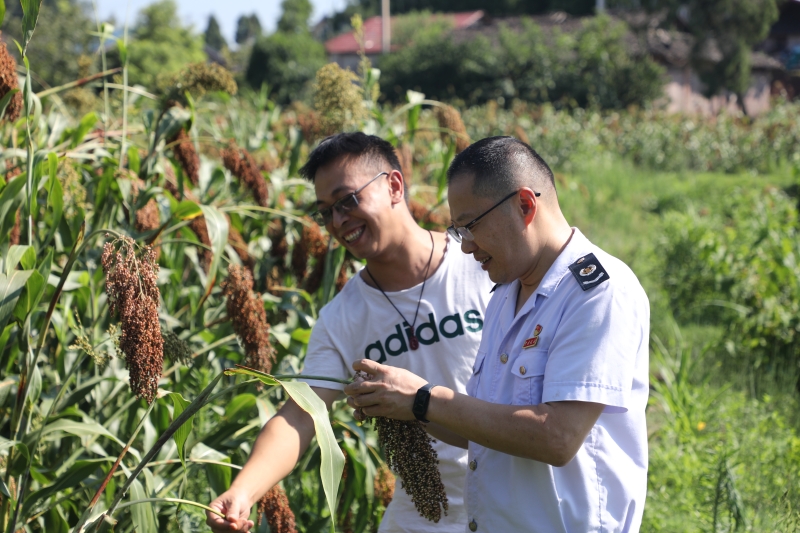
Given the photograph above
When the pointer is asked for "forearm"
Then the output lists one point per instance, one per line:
(545, 432)
(445, 435)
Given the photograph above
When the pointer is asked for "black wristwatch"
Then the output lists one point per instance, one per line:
(421, 402)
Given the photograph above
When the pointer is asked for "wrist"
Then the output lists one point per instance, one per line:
(421, 400)
(440, 396)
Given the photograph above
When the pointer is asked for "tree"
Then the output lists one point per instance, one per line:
(248, 29)
(286, 62)
(160, 44)
(288, 59)
(725, 32)
(213, 35)
(61, 38)
(295, 16)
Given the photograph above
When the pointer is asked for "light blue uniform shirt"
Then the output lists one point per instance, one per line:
(566, 343)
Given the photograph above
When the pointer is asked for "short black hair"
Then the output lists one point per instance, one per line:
(356, 144)
(501, 164)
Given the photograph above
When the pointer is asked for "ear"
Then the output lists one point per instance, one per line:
(396, 187)
(528, 204)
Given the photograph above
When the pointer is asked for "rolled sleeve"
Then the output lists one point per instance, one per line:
(593, 354)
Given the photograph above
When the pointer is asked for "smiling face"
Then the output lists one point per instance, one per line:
(499, 236)
(367, 230)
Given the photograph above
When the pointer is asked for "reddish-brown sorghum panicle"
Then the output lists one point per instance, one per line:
(246, 311)
(450, 119)
(183, 149)
(243, 166)
(312, 243)
(384, 485)
(9, 82)
(133, 296)
(275, 505)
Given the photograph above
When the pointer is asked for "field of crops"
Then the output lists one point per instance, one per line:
(160, 236)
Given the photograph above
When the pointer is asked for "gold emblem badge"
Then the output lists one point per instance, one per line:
(588, 270)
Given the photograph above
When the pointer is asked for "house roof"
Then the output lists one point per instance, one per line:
(373, 33)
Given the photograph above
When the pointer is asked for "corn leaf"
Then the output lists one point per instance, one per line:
(79, 429)
(55, 197)
(332, 457)
(25, 255)
(74, 476)
(142, 515)
(6, 99)
(8, 204)
(217, 226)
(182, 434)
(30, 10)
(11, 287)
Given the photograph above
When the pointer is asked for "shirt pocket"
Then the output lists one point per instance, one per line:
(474, 380)
(528, 372)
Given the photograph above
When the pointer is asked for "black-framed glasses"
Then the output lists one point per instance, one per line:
(464, 233)
(343, 205)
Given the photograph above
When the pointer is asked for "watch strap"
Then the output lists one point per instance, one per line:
(421, 401)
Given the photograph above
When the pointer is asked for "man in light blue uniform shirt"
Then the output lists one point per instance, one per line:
(554, 418)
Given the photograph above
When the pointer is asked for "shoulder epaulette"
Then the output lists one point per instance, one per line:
(589, 272)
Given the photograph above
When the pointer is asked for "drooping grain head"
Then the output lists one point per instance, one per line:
(409, 453)
(197, 79)
(199, 228)
(133, 296)
(338, 99)
(9, 82)
(186, 155)
(275, 506)
(312, 243)
(246, 311)
(384, 485)
(450, 120)
(175, 349)
(243, 166)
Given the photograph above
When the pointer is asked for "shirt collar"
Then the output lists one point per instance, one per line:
(577, 247)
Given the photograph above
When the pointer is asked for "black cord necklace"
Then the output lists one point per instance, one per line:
(413, 341)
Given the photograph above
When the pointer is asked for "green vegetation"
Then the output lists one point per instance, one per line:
(705, 212)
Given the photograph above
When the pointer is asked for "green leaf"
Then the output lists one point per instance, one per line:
(301, 335)
(11, 287)
(217, 226)
(55, 197)
(79, 429)
(171, 121)
(182, 434)
(6, 99)
(87, 123)
(134, 163)
(142, 515)
(240, 406)
(30, 10)
(2, 18)
(31, 294)
(8, 207)
(219, 477)
(187, 210)
(74, 476)
(53, 521)
(332, 457)
(26, 255)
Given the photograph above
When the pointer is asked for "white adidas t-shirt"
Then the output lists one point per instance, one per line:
(360, 323)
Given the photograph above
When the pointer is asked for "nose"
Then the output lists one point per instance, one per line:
(338, 218)
(468, 247)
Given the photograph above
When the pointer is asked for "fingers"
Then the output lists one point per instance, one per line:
(236, 515)
(368, 366)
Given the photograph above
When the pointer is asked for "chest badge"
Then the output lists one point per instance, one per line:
(533, 341)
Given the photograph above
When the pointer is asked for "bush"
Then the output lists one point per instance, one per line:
(738, 268)
(595, 67)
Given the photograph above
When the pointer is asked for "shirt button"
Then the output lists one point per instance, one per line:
(522, 370)
(473, 526)
(504, 358)
(473, 464)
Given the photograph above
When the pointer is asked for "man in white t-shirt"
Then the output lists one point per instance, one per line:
(417, 305)
(554, 415)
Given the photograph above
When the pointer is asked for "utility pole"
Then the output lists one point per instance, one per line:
(386, 27)
(599, 6)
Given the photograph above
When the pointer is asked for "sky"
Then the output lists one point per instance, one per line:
(196, 12)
